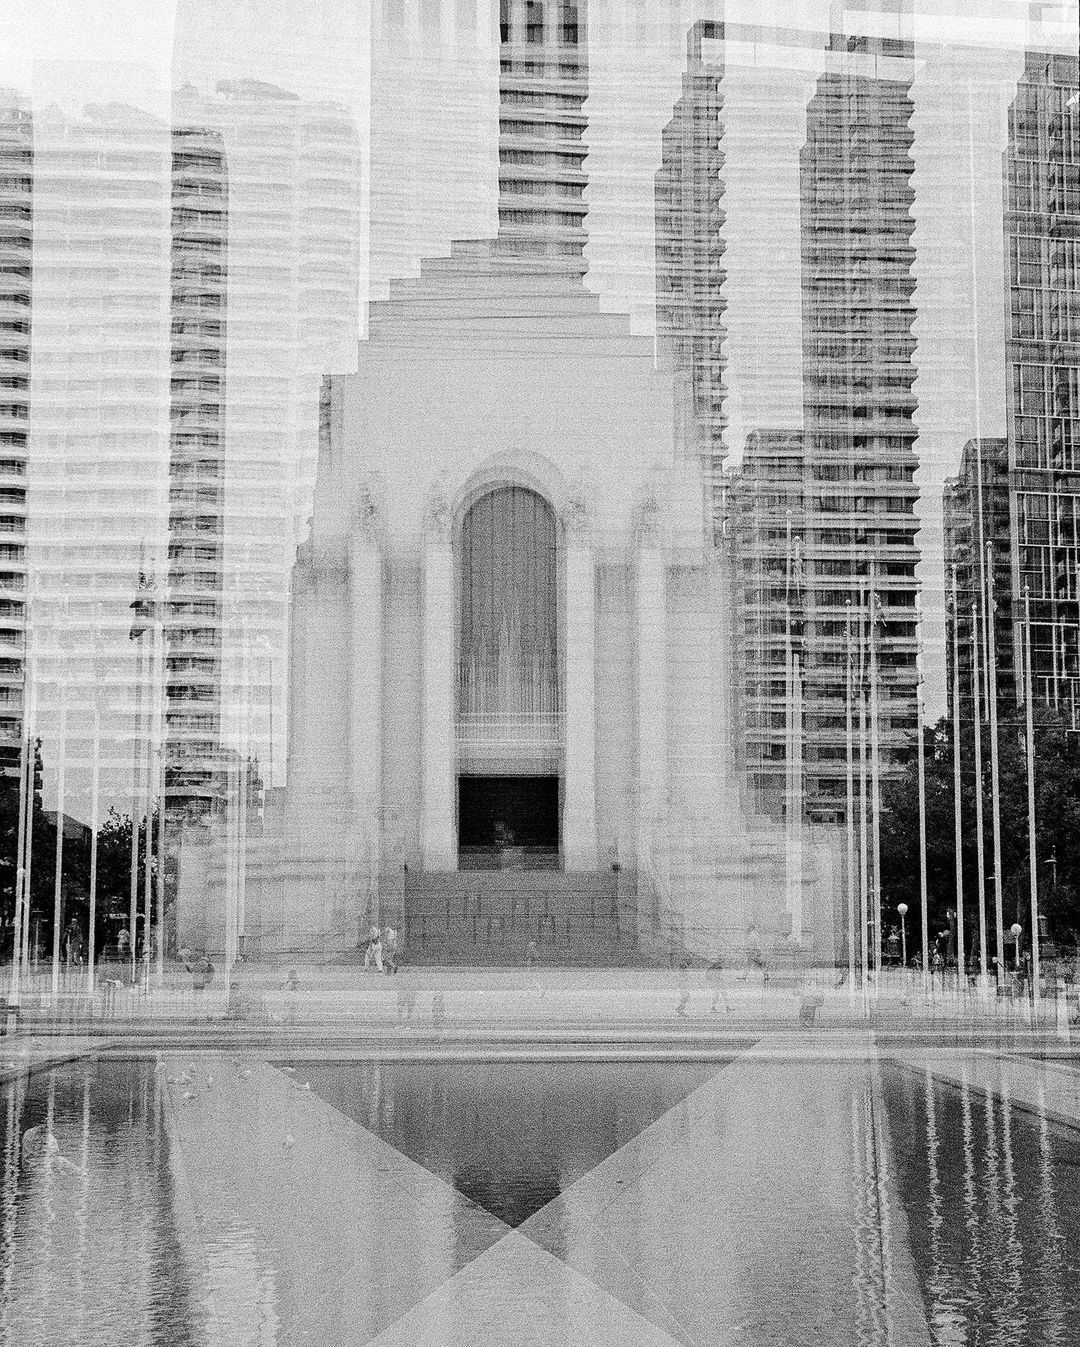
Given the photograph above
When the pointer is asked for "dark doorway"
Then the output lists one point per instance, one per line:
(501, 816)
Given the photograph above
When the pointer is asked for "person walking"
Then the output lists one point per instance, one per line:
(291, 986)
(389, 951)
(373, 953)
(714, 976)
(73, 943)
(683, 1008)
(755, 959)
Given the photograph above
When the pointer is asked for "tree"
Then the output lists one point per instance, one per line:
(1057, 815)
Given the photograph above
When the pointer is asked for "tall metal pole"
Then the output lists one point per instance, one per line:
(136, 804)
(31, 777)
(977, 707)
(850, 810)
(789, 739)
(864, 835)
(995, 781)
(58, 874)
(1029, 734)
(20, 869)
(797, 792)
(923, 887)
(94, 789)
(958, 808)
(148, 853)
(161, 703)
(875, 764)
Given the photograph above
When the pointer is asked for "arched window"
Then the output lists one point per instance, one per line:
(509, 606)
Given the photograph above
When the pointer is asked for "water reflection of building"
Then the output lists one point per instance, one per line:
(509, 621)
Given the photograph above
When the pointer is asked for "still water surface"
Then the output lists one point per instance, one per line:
(93, 1247)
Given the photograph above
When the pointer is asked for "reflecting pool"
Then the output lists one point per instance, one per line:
(90, 1247)
(759, 1201)
(992, 1199)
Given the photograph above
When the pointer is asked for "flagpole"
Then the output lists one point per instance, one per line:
(58, 876)
(864, 857)
(94, 786)
(1029, 713)
(136, 800)
(148, 851)
(797, 791)
(161, 705)
(242, 820)
(850, 811)
(958, 807)
(789, 739)
(995, 783)
(875, 765)
(924, 905)
(977, 707)
(25, 758)
(31, 778)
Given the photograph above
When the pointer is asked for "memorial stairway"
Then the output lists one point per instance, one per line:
(492, 916)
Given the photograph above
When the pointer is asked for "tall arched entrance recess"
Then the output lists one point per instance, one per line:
(509, 685)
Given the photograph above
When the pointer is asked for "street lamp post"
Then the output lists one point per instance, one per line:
(1017, 931)
(902, 908)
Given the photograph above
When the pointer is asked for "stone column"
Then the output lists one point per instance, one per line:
(579, 798)
(320, 695)
(438, 749)
(365, 705)
(365, 665)
(652, 714)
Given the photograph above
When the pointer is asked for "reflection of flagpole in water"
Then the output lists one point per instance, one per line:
(935, 1220)
(858, 1161)
(84, 1208)
(958, 807)
(9, 1206)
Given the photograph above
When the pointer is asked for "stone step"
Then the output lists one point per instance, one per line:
(495, 941)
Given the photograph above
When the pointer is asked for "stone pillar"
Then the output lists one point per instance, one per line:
(438, 827)
(366, 709)
(652, 714)
(579, 798)
(365, 668)
(320, 694)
